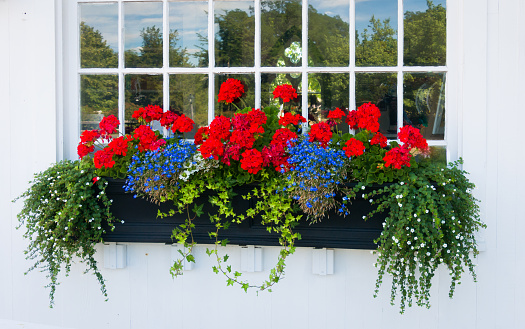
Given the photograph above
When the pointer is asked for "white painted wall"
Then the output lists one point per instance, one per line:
(486, 86)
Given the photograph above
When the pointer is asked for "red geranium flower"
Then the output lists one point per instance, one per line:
(145, 136)
(232, 151)
(354, 147)
(220, 128)
(289, 118)
(412, 137)
(167, 119)
(183, 124)
(397, 157)
(119, 146)
(201, 135)
(286, 92)
(275, 154)
(148, 114)
(252, 161)
(366, 117)
(108, 125)
(379, 139)
(83, 150)
(257, 118)
(230, 90)
(89, 136)
(321, 132)
(212, 147)
(282, 136)
(242, 138)
(336, 115)
(103, 158)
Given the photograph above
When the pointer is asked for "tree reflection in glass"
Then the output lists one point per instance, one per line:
(188, 33)
(143, 34)
(281, 32)
(98, 35)
(381, 90)
(141, 90)
(424, 103)
(326, 92)
(425, 32)
(376, 33)
(328, 33)
(234, 33)
(189, 96)
(98, 98)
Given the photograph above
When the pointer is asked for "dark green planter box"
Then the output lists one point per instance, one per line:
(142, 225)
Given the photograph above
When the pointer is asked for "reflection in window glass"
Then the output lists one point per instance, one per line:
(424, 103)
(425, 32)
(98, 35)
(379, 89)
(141, 91)
(143, 34)
(247, 100)
(188, 34)
(234, 33)
(98, 98)
(435, 154)
(328, 33)
(271, 80)
(376, 33)
(281, 33)
(189, 96)
(326, 92)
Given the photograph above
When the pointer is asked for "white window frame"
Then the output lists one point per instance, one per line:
(69, 70)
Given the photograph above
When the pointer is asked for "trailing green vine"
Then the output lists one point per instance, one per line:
(64, 216)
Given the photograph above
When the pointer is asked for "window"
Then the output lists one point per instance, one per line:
(125, 54)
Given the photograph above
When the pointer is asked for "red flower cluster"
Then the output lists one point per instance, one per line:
(104, 158)
(289, 118)
(275, 155)
(147, 138)
(87, 141)
(366, 117)
(252, 161)
(378, 139)
(282, 136)
(148, 113)
(397, 157)
(230, 90)
(412, 137)
(120, 146)
(201, 135)
(336, 115)
(286, 92)
(108, 126)
(182, 124)
(321, 132)
(354, 147)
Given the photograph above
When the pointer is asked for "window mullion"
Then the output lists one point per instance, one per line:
(257, 54)
(304, 66)
(211, 61)
(121, 81)
(400, 36)
(165, 57)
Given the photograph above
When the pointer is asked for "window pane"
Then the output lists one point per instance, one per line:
(247, 100)
(189, 96)
(234, 33)
(328, 33)
(143, 34)
(379, 89)
(425, 32)
(326, 92)
(281, 33)
(376, 33)
(188, 34)
(424, 103)
(268, 83)
(98, 35)
(98, 98)
(141, 91)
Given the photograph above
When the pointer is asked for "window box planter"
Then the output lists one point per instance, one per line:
(142, 225)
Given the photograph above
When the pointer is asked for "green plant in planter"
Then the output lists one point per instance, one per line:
(63, 214)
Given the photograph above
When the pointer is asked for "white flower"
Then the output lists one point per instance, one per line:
(122, 221)
(412, 231)
(426, 211)
(409, 243)
(419, 220)
(400, 205)
(402, 183)
(444, 245)
(453, 217)
(363, 187)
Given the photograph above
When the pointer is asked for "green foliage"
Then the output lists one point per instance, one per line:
(432, 218)
(64, 213)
